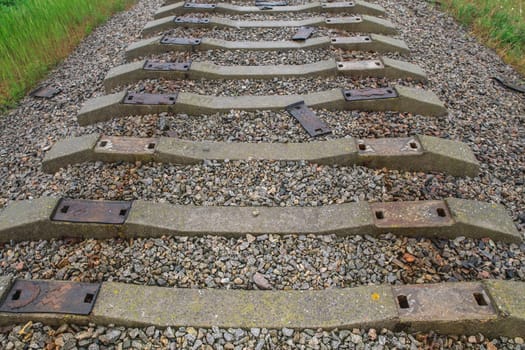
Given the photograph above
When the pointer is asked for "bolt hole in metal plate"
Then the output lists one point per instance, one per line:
(308, 119)
(167, 40)
(126, 145)
(340, 5)
(167, 66)
(199, 6)
(351, 40)
(191, 20)
(45, 92)
(402, 146)
(92, 212)
(51, 297)
(411, 214)
(150, 99)
(445, 302)
(303, 33)
(360, 65)
(369, 94)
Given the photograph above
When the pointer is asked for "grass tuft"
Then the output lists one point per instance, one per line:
(35, 35)
(500, 24)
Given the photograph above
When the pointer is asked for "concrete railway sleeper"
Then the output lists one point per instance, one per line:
(382, 67)
(162, 44)
(358, 6)
(54, 218)
(362, 23)
(417, 153)
(398, 98)
(491, 307)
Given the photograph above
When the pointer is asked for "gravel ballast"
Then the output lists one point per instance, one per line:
(482, 113)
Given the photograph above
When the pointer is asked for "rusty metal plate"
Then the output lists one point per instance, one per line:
(443, 302)
(194, 5)
(303, 33)
(349, 40)
(126, 145)
(167, 66)
(166, 40)
(402, 146)
(270, 3)
(45, 92)
(359, 65)
(369, 94)
(191, 20)
(411, 214)
(51, 297)
(340, 5)
(343, 20)
(88, 211)
(150, 99)
(308, 119)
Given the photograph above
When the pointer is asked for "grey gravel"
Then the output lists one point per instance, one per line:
(38, 336)
(482, 113)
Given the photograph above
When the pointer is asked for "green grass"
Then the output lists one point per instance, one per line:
(37, 34)
(498, 23)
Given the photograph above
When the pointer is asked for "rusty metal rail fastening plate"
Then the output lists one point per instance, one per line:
(411, 214)
(93, 212)
(270, 3)
(303, 33)
(308, 119)
(167, 66)
(133, 98)
(199, 6)
(389, 146)
(369, 94)
(45, 92)
(166, 40)
(126, 145)
(453, 301)
(191, 20)
(51, 297)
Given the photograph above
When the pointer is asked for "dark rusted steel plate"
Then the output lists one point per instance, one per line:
(194, 5)
(341, 5)
(45, 92)
(303, 33)
(351, 39)
(359, 65)
(343, 20)
(443, 302)
(51, 297)
(150, 99)
(308, 119)
(191, 20)
(167, 66)
(270, 3)
(369, 94)
(411, 214)
(126, 145)
(166, 40)
(403, 146)
(95, 212)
